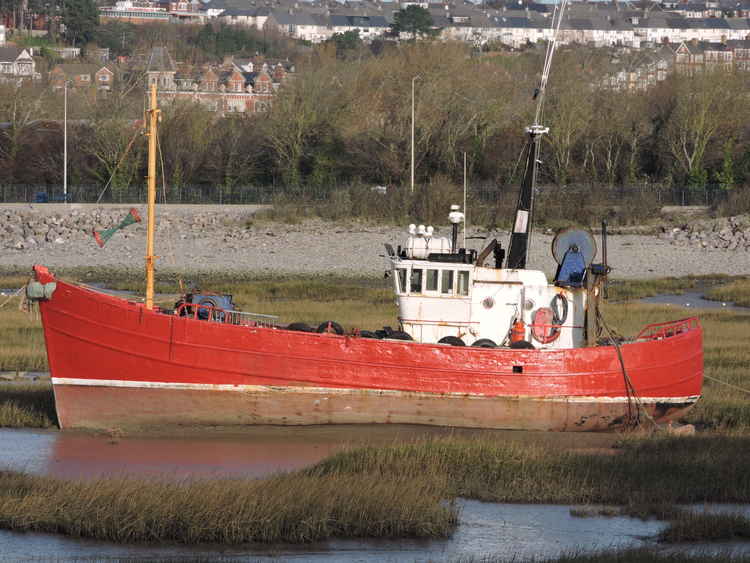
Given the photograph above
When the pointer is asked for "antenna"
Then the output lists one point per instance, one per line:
(466, 212)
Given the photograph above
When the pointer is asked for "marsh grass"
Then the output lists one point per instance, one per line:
(292, 508)
(737, 291)
(641, 555)
(656, 470)
(29, 405)
(691, 526)
(628, 290)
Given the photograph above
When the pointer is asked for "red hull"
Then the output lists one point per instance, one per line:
(116, 364)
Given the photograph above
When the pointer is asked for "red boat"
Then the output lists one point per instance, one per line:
(115, 363)
(477, 346)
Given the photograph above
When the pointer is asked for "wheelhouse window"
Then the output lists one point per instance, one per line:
(401, 280)
(446, 282)
(416, 281)
(463, 282)
(431, 280)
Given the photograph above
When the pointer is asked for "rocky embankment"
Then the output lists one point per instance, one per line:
(26, 227)
(213, 238)
(731, 233)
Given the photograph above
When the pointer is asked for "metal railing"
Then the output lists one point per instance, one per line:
(657, 331)
(219, 315)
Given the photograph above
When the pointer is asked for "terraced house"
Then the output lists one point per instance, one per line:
(244, 87)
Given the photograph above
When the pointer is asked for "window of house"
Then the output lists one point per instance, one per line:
(104, 78)
(431, 280)
(463, 282)
(401, 280)
(416, 281)
(446, 282)
(85, 78)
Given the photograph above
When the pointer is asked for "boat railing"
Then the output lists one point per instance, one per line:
(657, 331)
(219, 315)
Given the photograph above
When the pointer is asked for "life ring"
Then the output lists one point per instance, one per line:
(547, 321)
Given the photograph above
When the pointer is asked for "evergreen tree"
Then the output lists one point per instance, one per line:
(413, 19)
(81, 18)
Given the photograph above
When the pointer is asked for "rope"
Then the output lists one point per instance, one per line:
(9, 297)
(727, 384)
(557, 17)
(634, 413)
(171, 257)
(127, 150)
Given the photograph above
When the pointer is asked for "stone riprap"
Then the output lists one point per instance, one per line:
(213, 238)
(732, 233)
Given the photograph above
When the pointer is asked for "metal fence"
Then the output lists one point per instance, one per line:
(661, 195)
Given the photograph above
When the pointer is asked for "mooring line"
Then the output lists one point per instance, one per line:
(727, 384)
(11, 296)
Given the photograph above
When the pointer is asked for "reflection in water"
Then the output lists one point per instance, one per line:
(255, 452)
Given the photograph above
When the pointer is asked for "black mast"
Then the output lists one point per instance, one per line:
(520, 236)
(522, 222)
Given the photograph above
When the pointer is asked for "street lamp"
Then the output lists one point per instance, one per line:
(412, 131)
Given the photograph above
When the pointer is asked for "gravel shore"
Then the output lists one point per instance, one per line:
(190, 238)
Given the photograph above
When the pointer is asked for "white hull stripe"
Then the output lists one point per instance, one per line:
(339, 391)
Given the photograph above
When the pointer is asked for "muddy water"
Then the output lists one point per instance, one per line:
(256, 452)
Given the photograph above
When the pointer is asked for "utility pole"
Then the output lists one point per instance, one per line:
(65, 141)
(412, 132)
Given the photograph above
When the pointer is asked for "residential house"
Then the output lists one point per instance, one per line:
(82, 76)
(239, 86)
(300, 24)
(17, 64)
(369, 27)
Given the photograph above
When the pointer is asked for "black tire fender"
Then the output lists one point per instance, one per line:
(452, 340)
(331, 327)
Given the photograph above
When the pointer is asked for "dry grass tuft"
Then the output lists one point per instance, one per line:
(27, 406)
(291, 508)
(701, 527)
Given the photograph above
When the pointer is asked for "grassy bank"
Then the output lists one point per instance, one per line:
(403, 490)
(293, 508)
(736, 291)
(702, 527)
(667, 470)
(625, 556)
(29, 405)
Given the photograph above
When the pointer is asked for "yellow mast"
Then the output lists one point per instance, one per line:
(153, 119)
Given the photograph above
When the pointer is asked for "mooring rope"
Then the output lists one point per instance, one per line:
(634, 419)
(9, 297)
(727, 384)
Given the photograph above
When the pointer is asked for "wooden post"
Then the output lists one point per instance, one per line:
(592, 304)
(153, 119)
